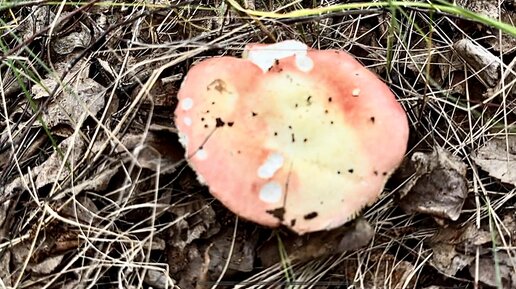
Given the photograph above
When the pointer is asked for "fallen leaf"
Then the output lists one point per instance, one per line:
(85, 95)
(509, 222)
(50, 171)
(72, 284)
(448, 261)
(199, 265)
(157, 279)
(66, 44)
(242, 257)
(159, 150)
(195, 219)
(438, 186)
(82, 209)
(350, 237)
(192, 266)
(33, 148)
(5, 272)
(139, 69)
(491, 268)
(454, 247)
(507, 43)
(43, 88)
(497, 159)
(480, 60)
(47, 266)
(99, 181)
(78, 95)
(4, 208)
(42, 16)
(53, 169)
(394, 274)
(22, 251)
(483, 7)
(162, 93)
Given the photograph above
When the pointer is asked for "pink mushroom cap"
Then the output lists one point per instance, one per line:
(290, 135)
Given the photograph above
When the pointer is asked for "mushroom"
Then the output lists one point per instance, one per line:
(290, 135)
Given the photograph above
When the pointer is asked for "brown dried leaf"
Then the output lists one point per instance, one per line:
(46, 266)
(32, 149)
(509, 222)
(309, 246)
(438, 188)
(157, 244)
(196, 219)
(85, 95)
(191, 265)
(66, 44)
(5, 272)
(43, 88)
(82, 209)
(157, 279)
(483, 7)
(53, 169)
(480, 60)
(489, 268)
(453, 248)
(50, 171)
(464, 242)
(394, 274)
(508, 42)
(448, 261)
(160, 149)
(4, 209)
(139, 69)
(162, 92)
(198, 265)
(22, 251)
(243, 256)
(72, 284)
(98, 182)
(497, 159)
(41, 17)
(78, 95)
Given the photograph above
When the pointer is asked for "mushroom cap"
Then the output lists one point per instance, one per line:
(291, 135)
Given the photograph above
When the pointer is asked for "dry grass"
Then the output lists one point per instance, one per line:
(103, 213)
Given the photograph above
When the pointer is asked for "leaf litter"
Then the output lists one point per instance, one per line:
(438, 185)
(79, 96)
(498, 158)
(454, 248)
(480, 59)
(126, 210)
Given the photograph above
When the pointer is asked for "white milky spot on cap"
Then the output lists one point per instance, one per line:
(201, 154)
(273, 163)
(264, 57)
(304, 62)
(271, 192)
(201, 179)
(187, 121)
(187, 103)
(183, 139)
(356, 92)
